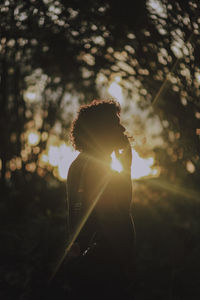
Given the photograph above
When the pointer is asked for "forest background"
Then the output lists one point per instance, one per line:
(56, 55)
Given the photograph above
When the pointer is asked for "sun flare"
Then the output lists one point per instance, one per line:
(141, 167)
(61, 156)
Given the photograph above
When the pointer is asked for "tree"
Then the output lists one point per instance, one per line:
(55, 56)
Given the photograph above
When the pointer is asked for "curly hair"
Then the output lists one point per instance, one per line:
(93, 120)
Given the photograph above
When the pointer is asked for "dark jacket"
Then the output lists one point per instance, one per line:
(91, 182)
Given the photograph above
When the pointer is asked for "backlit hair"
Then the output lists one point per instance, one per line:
(92, 119)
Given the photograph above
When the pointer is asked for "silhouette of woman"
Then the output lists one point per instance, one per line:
(99, 200)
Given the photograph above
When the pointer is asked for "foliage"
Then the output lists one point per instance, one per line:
(55, 52)
(55, 56)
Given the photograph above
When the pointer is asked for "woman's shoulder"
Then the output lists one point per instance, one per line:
(75, 167)
(86, 162)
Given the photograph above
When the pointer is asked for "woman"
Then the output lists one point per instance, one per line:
(99, 202)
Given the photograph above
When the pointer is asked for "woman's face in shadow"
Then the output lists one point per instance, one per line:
(112, 135)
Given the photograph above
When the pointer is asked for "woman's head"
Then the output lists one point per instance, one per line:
(97, 127)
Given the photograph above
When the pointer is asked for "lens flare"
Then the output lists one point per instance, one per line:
(141, 167)
(61, 156)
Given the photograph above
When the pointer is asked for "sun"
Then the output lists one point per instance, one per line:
(141, 167)
(61, 156)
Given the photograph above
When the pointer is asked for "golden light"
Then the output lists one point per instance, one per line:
(15, 163)
(44, 158)
(156, 7)
(101, 78)
(44, 136)
(115, 89)
(60, 157)
(197, 74)
(33, 138)
(190, 167)
(31, 167)
(142, 167)
(117, 78)
(67, 155)
(53, 155)
(31, 95)
(115, 164)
